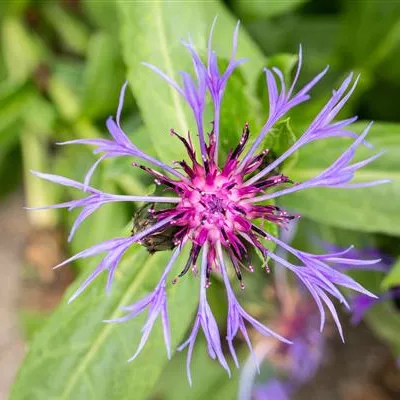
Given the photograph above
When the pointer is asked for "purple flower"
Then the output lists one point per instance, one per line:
(214, 206)
(384, 265)
(361, 303)
(296, 363)
(274, 389)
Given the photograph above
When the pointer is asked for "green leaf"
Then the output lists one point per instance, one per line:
(73, 33)
(85, 357)
(384, 319)
(103, 76)
(39, 116)
(31, 322)
(372, 209)
(71, 73)
(393, 277)
(258, 9)
(10, 169)
(21, 50)
(285, 62)
(238, 107)
(207, 376)
(279, 139)
(376, 36)
(102, 14)
(15, 8)
(64, 98)
(9, 140)
(155, 37)
(14, 100)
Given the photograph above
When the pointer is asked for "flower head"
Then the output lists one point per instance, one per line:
(215, 205)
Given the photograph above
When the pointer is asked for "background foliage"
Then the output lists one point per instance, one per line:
(62, 64)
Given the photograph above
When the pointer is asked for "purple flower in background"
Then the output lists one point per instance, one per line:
(361, 304)
(215, 205)
(275, 389)
(295, 364)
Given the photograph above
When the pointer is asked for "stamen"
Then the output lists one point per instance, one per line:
(242, 143)
(255, 162)
(237, 270)
(230, 186)
(189, 147)
(160, 178)
(186, 168)
(194, 253)
(208, 275)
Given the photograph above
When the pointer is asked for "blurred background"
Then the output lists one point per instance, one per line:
(62, 63)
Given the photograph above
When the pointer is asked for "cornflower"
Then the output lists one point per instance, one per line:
(215, 206)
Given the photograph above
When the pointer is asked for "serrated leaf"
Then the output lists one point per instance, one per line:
(85, 357)
(373, 209)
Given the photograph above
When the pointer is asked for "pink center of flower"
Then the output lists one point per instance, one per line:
(211, 207)
(214, 204)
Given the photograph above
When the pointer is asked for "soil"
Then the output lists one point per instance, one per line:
(14, 229)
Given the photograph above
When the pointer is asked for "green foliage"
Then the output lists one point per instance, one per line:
(393, 277)
(279, 139)
(21, 51)
(385, 321)
(85, 357)
(73, 33)
(259, 9)
(61, 69)
(171, 385)
(103, 16)
(367, 209)
(239, 106)
(369, 47)
(154, 38)
(104, 76)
